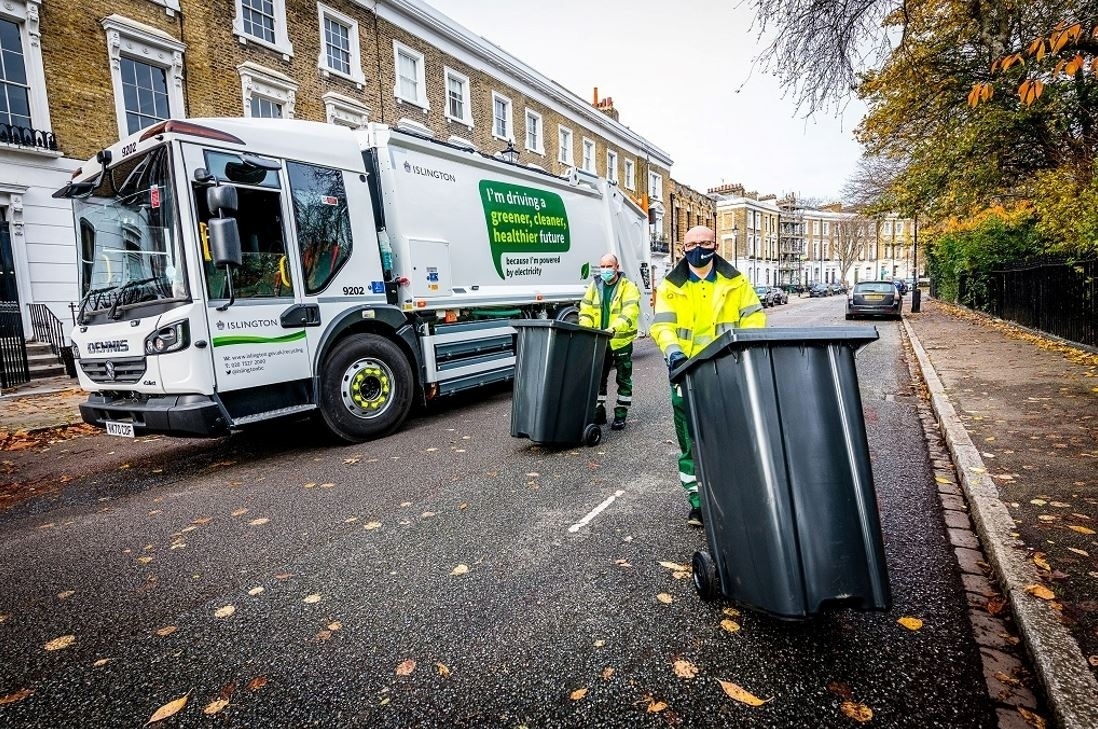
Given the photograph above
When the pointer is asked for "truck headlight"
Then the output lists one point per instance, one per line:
(75, 352)
(171, 338)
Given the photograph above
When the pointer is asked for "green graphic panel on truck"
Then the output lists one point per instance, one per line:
(524, 225)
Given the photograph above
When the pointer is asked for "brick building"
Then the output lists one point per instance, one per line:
(90, 72)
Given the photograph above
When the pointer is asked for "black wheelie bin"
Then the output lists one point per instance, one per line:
(783, 464)
(557, 371)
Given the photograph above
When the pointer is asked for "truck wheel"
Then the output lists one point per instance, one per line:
(366, 388)
(569, 314)
(706, 580)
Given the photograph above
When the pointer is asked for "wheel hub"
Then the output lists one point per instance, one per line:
(367, 388)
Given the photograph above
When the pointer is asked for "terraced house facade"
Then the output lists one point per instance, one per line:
(79, 75)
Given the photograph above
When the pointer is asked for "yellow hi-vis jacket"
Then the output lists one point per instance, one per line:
(624, 311)
(679, 327)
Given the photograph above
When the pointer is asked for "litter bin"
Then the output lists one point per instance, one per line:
(786, 481)
(557, 371)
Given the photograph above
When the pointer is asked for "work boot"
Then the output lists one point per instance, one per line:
(600, 415)
(619, 423)
(695, 518)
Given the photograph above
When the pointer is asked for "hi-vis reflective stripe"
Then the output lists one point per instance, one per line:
(749, 310)
(684, 334)
(668, 317)
(625, 399)
(601, 399)
(725, 326)
(629, 302)
(687, 477)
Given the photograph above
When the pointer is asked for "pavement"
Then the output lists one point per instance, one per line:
(1019, 414)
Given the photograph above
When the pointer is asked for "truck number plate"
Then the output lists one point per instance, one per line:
(121, 429)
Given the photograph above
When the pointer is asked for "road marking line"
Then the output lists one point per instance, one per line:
(595, 512)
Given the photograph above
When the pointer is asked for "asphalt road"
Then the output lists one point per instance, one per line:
(339, 564)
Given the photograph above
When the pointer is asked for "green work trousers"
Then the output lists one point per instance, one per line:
(621, 361)
(687, 476)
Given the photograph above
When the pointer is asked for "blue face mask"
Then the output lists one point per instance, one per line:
(607, 274)
(699, 256)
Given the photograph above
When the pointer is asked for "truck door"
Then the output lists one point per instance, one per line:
(258, 341)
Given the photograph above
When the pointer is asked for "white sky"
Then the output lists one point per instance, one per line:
(673, 70)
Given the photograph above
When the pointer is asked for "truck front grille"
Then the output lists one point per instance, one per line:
(123, 370)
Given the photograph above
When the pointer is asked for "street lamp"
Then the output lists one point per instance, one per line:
(510, 154)
(916, 294)
(735, 248)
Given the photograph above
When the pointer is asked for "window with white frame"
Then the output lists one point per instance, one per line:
(827, 227)
(458, 106)
(501, 117)
(564, 145)
(535, 141)
(630, 175)
(343, 110)
(146, 72)
(23, 100)
(339, 51)
(411, 84)
(588, 162)
(888, 227)
(815, 227)
(611, 165)
(263, 22)
(655, 186)
(266, 92)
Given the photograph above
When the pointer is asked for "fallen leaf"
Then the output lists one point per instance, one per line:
(600, 643)
(1040, 591)
(169, 709)
(239, 512)
(578, 694)
(312, 599)
(656, 707)
(224, 611)
(461, 569)
(324, 635)
(101, 662)
(1034, 720)
(675, 566)
(995, 605)
(372, 525)
(1060, 504)
(744, 697)
(682, 575)
(1040, 561)
(66, 594)
(443, 670)
(284, 576)
(405, 503)
(1038, 502)
(327, 485)
(258, 522)
(730, 612)
(1009, 680)
(4, 616)
(166, 630)
(910, 623)
(730, 626)
(1080, 552)
(257, 683)
(311, 484)
(684, 669)
(144, 560)
(858, 712)
(1093, 660)
(334, 626)
(665, 598)
(58, 643)
(17, 696)
(405, 668)
(840, 688)
(203, 520)
(939, 479)
(1080, 529)
(255, 591)
(215, 706)
(607, 673)
(350, 520)
(978, 470)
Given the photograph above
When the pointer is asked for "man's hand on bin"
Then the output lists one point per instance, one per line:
(674, 360)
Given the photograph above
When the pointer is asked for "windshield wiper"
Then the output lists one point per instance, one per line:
(113, 313)
(80, 313)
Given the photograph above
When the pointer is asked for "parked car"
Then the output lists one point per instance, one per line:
(793, 288)
(874, 298)
(901, 285)
(778, 294)
(837, 288)
(766, 295)
(819, 289)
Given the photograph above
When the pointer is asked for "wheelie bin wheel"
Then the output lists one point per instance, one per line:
(706, 580)
(592, 435)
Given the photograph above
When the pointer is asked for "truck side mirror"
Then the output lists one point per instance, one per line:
(221, 200)
(224, 241)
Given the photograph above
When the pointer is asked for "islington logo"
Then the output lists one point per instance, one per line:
(247, 324)
(427, 172)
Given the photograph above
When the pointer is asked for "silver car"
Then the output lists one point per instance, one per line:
(874, 298)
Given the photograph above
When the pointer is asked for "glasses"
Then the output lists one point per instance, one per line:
(703, 244)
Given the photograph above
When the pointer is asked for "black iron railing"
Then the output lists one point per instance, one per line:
(48, 329)
(1056, 296)
(660, 244)
(28, 137)
(13, 347)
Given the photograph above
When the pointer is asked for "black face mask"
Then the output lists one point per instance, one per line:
(699, 256)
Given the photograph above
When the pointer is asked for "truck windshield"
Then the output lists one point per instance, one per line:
(130, 251)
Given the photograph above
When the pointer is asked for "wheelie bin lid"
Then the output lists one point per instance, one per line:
(738, 340)
(555, 324)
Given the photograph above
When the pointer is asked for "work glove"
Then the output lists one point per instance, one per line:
(674, 360)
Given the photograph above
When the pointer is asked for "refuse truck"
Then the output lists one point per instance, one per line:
(236, 270)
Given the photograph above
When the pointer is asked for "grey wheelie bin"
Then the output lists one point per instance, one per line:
(783, 464)
(557, 371)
